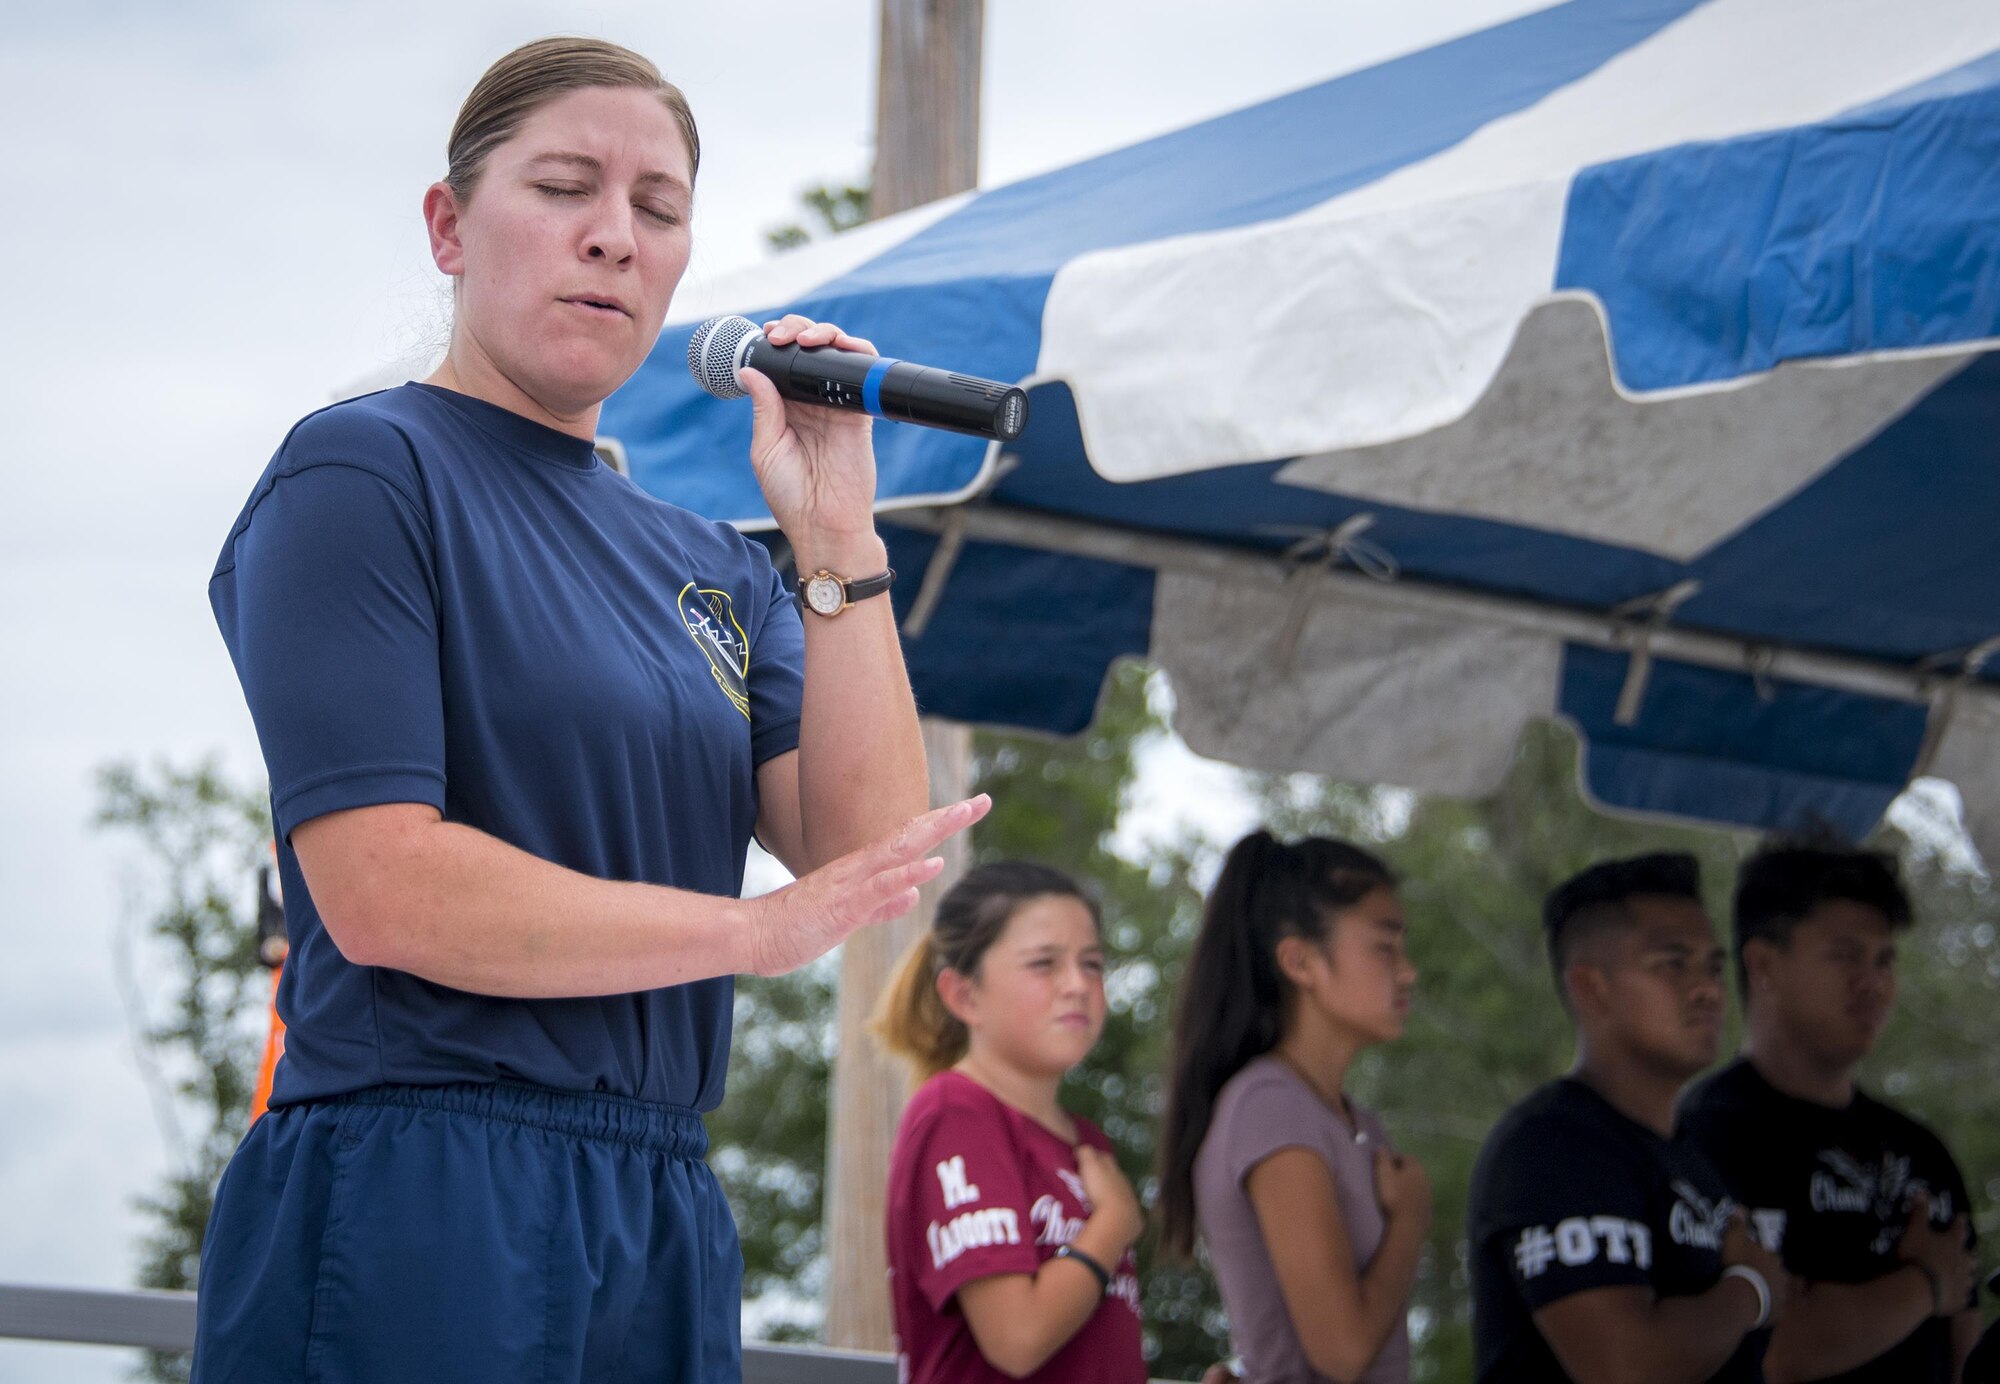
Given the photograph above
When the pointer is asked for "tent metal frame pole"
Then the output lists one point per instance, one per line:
(1023, 528)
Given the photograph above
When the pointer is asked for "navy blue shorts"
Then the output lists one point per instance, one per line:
(470, 1232)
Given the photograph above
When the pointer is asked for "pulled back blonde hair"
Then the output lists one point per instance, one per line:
(535, 74)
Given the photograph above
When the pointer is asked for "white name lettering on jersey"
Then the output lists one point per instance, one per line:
(1616, 1235)
(997, 1225)
(951, 1177)
(1579, 1240)
(1769, 1224)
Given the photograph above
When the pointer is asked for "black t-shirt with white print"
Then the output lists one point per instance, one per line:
(1830, 1190)
(1569, 1195)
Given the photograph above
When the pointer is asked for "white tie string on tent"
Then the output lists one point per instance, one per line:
(944, 557)
(1648, 615)
(951, 541)
(1322, 552)
(1946, 695)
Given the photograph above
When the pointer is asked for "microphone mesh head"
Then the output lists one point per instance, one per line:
(712, 354)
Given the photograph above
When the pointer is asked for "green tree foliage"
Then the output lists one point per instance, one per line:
(1487, 1029)
(200, 1023)
(833, 208)
(1940, 1058)
(767, 1141)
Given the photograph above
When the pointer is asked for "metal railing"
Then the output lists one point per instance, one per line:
(165, 1321)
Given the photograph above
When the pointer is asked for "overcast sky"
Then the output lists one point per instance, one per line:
(211, 225)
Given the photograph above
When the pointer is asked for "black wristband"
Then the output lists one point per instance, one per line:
(1937, 1284)
(1103, 1274)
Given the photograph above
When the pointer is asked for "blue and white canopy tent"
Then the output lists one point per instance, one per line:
(1632, 362)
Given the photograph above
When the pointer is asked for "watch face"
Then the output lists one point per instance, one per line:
(824, 595)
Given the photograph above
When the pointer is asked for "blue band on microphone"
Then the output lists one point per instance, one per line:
(871, 387)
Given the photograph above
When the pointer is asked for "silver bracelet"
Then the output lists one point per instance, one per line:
(1755, 1280)
(1097, 1270)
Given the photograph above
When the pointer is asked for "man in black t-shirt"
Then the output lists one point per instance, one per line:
(1602, 1245)
(1864, 1203)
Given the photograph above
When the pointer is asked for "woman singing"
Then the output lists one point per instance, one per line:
(521, 721)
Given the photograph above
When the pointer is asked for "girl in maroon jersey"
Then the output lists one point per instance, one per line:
(1010, 1227)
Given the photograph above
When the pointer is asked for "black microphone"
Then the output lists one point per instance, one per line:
(881, 385)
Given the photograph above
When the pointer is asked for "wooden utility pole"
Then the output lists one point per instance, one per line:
(926, 147)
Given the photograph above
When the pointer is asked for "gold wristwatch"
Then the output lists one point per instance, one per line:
(823, 593)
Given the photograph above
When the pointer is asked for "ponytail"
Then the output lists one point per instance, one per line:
(1234, 1000)
(910, 1020)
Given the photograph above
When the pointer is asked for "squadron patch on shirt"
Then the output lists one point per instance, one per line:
(711, 623)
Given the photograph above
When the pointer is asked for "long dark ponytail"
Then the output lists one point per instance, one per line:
(1233, 1000)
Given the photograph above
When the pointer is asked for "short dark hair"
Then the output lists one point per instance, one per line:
(1589, 903)
(1787, 879)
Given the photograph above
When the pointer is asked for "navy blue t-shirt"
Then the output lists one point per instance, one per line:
(430, 599)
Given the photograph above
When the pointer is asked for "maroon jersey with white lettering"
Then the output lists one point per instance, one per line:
(976, 1188)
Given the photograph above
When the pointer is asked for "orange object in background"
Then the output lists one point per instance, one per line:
(274, 1048)
(272, 947)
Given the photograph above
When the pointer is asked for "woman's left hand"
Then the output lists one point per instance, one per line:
(816, 465)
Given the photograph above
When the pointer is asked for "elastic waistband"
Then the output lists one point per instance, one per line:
(674, 1130)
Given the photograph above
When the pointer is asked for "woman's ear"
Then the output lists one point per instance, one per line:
(960, 994)
(441, 219)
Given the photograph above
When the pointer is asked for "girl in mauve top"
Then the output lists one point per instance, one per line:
(1010, 1227)
(1313, 1222)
